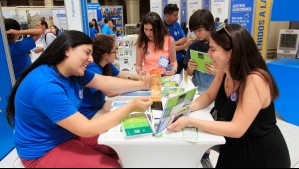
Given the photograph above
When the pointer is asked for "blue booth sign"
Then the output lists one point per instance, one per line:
(6, 142)
(241, 12)
(94, 11)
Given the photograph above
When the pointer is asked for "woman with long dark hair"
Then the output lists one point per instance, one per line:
(104, 53)
(155, 48)
(244, 92)
(44, 102)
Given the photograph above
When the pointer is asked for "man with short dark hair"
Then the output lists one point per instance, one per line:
(201, 23)
(171, 12)
(47, 38)
(106, 30)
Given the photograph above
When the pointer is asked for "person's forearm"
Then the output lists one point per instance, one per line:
(32, 32)
(138, 69)
(178, 48)
(189, 71)
(227, 129)
(181, 41)
(201, 102)
(111, 119)
(112, 86)
(127, 75)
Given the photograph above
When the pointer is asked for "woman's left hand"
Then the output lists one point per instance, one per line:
(210, 69)
(170, 73)
(178, 125)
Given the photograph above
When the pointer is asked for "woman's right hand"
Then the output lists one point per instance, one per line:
(141, 104)
(192, 65)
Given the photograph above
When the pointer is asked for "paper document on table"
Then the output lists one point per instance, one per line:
(186, 134)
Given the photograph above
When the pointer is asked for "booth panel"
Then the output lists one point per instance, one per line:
(6, 144)
(286, 75)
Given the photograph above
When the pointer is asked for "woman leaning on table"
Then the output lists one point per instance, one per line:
(244, 92)
(43, 108)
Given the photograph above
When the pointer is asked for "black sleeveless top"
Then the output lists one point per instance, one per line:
(262, 145)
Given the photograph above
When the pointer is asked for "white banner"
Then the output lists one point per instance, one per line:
(74, 15)
(220, 9)
(192, 6)
(156, 6)
(59, 18)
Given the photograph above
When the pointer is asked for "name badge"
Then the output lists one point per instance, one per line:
(164, 62)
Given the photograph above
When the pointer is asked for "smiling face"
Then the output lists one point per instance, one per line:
(77, 60)
(219, 55)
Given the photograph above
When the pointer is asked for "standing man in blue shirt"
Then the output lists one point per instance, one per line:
(171, 12)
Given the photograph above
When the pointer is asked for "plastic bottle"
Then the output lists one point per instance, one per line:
(156, 87)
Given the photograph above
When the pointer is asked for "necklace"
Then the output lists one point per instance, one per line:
(234, 95)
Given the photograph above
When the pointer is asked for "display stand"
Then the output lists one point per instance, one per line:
(126, 53)
(116, 14)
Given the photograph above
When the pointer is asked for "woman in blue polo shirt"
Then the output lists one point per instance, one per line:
(104, 53)
(19, 50)
(44, 102)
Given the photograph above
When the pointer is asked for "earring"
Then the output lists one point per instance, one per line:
(227, 60)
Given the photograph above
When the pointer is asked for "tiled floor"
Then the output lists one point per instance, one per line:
(291, 135)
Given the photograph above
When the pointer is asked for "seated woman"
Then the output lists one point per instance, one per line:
(104, 53)
(49, 130)
(155, 48)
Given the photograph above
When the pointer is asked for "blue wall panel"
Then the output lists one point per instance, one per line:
(285, 10)
(6, 144)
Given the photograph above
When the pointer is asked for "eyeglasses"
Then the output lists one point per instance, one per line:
(221, 27)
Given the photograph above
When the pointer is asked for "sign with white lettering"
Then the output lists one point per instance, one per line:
(220, 9)
(77, 17)
(156, 6)
(241, 12)
(192, 6)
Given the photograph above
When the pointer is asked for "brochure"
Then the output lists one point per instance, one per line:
(175, 107)
(201, 59)
(177, 80)
(170, 91)
(136, 124)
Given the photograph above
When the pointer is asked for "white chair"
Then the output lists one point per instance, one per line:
(18, 163)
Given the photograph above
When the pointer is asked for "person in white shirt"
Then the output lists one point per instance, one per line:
(46, 39)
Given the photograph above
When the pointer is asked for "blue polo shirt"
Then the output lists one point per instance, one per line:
(93, 99)
(92, 32)
(200, 79)
(44, 98)
(107, 31)
(19, 52)
(177, 33)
